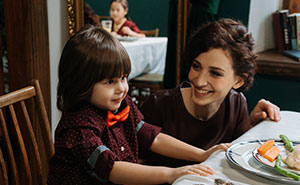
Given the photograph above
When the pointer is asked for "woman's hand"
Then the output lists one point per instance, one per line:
(264, 109)
(196, 169)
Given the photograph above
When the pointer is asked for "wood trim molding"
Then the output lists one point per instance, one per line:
(182, 13)
(272, 63)
(75, 15)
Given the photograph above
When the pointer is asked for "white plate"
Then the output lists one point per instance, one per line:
(283, 153)
(193, 179)
(127, 39)
(240, 154)
(200, 180)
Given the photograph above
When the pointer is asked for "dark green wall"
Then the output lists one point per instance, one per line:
(147, 14)
(235, 9)
(283, 91)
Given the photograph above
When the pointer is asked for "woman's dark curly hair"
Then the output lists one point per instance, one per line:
(231, 36)
(90, 55)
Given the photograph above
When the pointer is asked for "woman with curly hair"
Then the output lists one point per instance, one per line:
(210, 109)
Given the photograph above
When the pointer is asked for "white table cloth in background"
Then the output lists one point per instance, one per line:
(289, 125)
(147, 55)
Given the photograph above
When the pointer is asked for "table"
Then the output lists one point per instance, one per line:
(289, 125)
(147, 55)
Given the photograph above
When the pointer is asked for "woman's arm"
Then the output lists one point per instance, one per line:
(131, 173)
(169, 146)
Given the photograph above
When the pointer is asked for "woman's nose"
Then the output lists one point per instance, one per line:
(201, 79)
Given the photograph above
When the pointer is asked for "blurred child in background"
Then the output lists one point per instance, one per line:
(121, 25)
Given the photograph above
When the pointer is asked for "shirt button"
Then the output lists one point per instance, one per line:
(122, 148)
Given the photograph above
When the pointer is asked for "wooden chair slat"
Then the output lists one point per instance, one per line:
(15, 175)
(33, 142)
(21, 143)
(3, 174)
(44, 116)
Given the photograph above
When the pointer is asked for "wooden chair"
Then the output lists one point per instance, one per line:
(151, 33)
(26, 144)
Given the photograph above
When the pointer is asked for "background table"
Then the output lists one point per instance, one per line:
(288, 125)
(147, 55)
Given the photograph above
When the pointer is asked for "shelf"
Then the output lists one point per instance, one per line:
(272, 63)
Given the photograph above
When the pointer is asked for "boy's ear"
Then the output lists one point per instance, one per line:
(239, 83)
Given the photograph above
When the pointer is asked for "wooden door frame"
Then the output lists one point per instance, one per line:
(75, 15)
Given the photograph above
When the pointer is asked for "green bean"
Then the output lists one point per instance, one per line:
(284, 171)
(288, 144)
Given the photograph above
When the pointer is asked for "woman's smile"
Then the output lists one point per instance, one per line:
(202, 92)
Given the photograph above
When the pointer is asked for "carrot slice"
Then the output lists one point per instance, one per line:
(272, 154)
(265, 147)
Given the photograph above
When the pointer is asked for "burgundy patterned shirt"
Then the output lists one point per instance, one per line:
(86, 149)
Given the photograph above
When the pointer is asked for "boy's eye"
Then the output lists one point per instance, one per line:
(124, 77)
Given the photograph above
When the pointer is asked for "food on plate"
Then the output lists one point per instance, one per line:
(293, 158)
(284, 171)
(265, 147)
(272, 154)
(268, 150)
(288, 144)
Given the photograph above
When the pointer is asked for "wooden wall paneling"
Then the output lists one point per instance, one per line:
(28, 45)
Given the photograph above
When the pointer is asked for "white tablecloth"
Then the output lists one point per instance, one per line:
(289, 125)
(147, 55)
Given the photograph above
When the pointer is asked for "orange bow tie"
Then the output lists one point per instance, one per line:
(112, 118)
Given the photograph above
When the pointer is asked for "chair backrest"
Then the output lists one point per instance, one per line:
(151, 33)
(26, 144)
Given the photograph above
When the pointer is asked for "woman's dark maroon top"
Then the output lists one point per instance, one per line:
(166, 109)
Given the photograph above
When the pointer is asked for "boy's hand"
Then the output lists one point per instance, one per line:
(196, 169)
